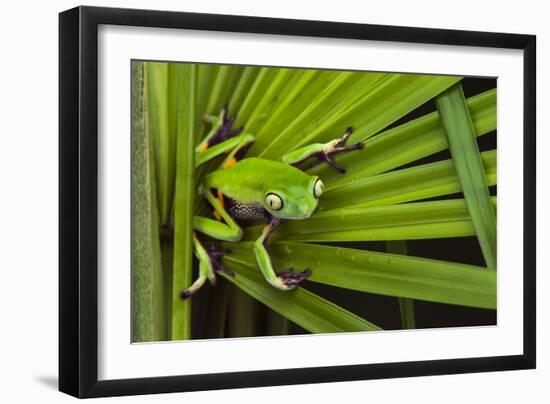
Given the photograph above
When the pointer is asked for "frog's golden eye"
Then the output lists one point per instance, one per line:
(274, 201)
(318, 188)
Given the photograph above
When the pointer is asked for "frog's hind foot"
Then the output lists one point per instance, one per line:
(291, 279)
(215, 253)
(209, 266)
(222, 130)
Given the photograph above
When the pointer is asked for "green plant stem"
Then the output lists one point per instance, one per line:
(148, 304)
(185, 80)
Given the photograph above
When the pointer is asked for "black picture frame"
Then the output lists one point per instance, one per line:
(78, 200)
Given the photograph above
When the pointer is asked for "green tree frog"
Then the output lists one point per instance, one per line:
(245, 190)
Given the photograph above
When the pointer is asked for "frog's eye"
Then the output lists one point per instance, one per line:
(274, 201)
(318, 188)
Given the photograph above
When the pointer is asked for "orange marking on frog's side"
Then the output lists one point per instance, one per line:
(217, 214)
(230, 162)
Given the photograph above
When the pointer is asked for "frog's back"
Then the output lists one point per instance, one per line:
(250, 179)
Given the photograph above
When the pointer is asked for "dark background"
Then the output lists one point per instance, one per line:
(215, 308)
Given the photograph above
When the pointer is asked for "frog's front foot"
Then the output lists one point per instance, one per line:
(290, 279)
(335, 147)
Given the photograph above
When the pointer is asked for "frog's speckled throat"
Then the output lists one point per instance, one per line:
(248, 212)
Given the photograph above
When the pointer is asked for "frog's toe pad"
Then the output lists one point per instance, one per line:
(185, 294)
(291, 279)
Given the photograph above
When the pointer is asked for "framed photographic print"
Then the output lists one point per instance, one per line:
(250, 201)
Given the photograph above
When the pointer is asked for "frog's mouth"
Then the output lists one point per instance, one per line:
(305, 216)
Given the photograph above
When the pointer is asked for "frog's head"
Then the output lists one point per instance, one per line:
(295, 200)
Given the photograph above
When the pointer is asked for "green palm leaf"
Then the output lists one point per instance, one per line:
(330, 98)
(393, 222)
(225, 81)
(206, 76)
(383, 273)
(163, 138)
(306, 309)
(408, 142)
(469, 166)
(406, 306)
(410, 184)
(384, 99)
(242, 88)
(262, 83)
